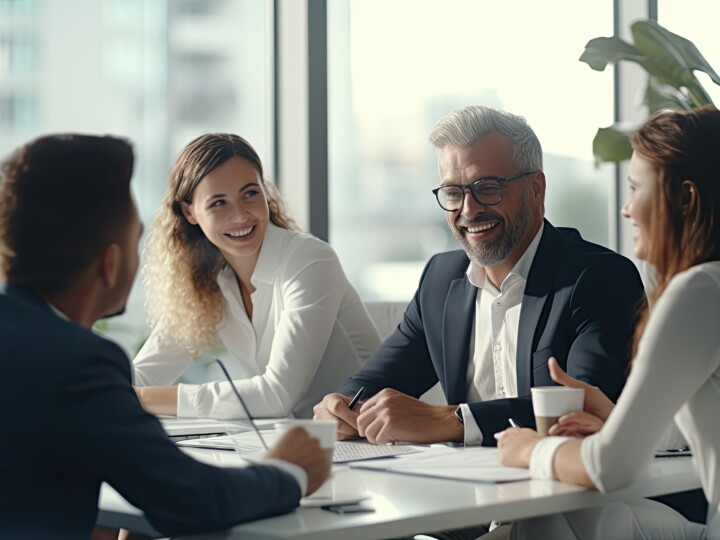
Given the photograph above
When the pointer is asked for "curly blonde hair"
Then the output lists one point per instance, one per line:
(184, 301)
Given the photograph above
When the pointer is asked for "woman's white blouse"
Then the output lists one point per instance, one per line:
(309, 332)
(676, 373)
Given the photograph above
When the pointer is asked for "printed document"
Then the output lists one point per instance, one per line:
(472, 464)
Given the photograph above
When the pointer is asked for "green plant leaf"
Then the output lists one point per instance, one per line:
(611, 144)
(669, 60)
(672, 59)
(600, 52)
(651, 38)
(659, 96)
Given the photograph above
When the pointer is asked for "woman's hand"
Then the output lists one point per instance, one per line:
(515, 446)
(577, 424)
(596, 403)
(158, 399)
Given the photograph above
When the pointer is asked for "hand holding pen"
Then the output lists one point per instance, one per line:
(356, 398)
(340, 408)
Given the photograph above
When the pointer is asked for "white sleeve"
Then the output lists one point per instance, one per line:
(159, 362)
(672, 362)
(472, 434)
(312, 297)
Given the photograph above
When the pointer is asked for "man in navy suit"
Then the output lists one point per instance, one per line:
(69, 233)
(486, 319)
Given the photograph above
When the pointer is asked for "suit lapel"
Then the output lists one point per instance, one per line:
(458, 320)
(537, 289)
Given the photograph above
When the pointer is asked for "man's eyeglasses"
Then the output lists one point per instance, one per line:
(486, 191)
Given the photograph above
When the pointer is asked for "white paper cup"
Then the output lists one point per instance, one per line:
(325, 432)
(322, 430)
(552, 402)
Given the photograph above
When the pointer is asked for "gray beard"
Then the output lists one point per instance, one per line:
(492, 252)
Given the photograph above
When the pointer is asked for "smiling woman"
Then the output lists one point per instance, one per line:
(225, 262)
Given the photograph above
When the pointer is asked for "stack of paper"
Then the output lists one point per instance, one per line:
(474, 464)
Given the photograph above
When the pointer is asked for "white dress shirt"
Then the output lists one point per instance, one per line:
(676, 373)
(309, 332)
(492, 368)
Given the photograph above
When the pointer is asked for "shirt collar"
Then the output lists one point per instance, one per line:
(476, 273)
(59, 313)
(268, 258)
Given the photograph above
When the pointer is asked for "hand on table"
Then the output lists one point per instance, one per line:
(299, 448)
(576, 424)
(335, 407)
(391, 416)
(158, 399)
(515, 446)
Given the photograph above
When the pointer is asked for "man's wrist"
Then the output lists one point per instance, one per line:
(455, 424)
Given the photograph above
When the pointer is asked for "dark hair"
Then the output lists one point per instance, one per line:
(63, 198)
(682, 147)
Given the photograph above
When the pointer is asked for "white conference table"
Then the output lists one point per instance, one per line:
(406, 505)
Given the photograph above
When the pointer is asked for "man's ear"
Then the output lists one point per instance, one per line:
(188, 213)
(110, 265)
(537, 184)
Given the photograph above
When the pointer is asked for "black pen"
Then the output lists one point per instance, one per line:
(356, 398)
(515, 423)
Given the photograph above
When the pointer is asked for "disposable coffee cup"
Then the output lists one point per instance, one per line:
(322, 430)
(325, 432)
(552, 402)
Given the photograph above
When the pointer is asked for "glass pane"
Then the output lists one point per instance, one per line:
(696, 20)
(159, 72)
(395, 68)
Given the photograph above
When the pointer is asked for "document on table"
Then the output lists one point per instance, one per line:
(189, 427)
(182, 427)
(473, 464)
(345, 451)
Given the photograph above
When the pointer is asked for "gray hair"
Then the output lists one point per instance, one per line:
(465, 126)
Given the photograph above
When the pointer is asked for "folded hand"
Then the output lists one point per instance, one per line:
(577, 424)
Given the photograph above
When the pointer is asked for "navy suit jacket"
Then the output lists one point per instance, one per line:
(71, 420)
(579, 305)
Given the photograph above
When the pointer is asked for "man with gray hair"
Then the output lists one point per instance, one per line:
(486, 319)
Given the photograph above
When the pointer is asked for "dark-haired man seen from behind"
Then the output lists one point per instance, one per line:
(69, 233)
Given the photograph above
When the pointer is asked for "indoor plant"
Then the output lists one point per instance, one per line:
(670, 62)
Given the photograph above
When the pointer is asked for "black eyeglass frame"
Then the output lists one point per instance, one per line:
(471, 188)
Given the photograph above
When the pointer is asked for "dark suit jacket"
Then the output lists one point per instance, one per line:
(579, 305)
(70, 420)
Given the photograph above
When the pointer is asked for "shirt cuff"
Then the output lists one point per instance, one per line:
(297, 472)
(187, 400)
(541, 460)
(473, 435)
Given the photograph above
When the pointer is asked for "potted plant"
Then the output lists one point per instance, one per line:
(670, 62)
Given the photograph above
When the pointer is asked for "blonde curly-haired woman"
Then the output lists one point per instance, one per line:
(226, 264)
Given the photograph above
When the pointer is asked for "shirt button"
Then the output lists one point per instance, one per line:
(498, 303)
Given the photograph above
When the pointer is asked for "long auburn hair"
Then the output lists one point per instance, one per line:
(184, 301)
(684, 229)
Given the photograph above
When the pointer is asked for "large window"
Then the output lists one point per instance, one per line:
(395, 68)
(159, 72)
(163, 71)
